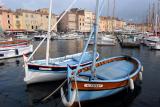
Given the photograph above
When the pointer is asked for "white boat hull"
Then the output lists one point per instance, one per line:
(37, 71)
(39, 77)
(15, 52)
(156, 47)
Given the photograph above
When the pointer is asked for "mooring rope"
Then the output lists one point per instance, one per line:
(75, 80)
(44, 99)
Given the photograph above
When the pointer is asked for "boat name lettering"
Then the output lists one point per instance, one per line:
(40, 68)
(93, 85)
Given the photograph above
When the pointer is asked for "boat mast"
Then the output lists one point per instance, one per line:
(149, 17)
(156, 18)
(113, 18)
(49, 32)
(93, 69)
(108, 8)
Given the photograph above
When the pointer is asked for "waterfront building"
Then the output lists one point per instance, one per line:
(109, 24)
(142, 27)
(88, 20)
(18, 23)
(27, 20)
(119, 24)
(130, 27)
(102, 24)
(68, 22)
(6, 19)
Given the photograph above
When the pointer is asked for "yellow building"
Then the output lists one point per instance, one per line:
(88, 20)
(33, 20)
(102, 24)
(18, 21)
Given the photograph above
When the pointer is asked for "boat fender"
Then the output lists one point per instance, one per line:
(142, 69)
(64, 100)
(131, 84)
(140, 76)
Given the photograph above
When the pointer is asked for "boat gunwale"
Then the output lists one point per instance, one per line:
(58, 66)
(121, 81)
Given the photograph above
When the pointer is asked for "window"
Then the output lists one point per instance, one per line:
(8, 22)
(36, 27)
(17, 16)
(47, 17)
(9, 27)
(8, 16)
(32, 27)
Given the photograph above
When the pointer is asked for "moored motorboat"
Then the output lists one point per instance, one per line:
(156, 46)
(15, 48)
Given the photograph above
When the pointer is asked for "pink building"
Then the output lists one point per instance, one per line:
(6, 19)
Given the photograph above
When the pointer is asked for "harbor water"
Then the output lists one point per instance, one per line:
(14, 92)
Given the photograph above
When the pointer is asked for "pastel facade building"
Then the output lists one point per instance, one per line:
(27, 20)
(6, 19)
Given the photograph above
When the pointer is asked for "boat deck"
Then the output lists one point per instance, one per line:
(64, 61)
(113, 70)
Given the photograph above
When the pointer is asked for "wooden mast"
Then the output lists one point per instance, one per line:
(49, 33)
(93, 69)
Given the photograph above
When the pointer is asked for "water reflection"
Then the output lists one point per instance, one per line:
(12, 86)
(37, 92)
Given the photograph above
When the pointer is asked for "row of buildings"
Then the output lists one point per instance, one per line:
(74, 20)
(25, 19)
(82, 21)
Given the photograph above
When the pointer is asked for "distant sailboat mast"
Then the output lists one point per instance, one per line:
(113, 18)
(108, 8)
(49, 33)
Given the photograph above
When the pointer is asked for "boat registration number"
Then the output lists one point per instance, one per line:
(93, 85)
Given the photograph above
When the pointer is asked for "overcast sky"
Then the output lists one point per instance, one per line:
(133, 10)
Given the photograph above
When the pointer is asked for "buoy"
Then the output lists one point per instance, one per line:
(131, 84)
(142, 69)
(140, 76)
(64, 100)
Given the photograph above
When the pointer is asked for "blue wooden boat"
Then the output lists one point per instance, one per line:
(112, 75)
(102, 78)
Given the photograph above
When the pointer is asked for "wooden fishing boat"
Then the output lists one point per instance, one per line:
(112, 75)
(102, 78)
(14, 48)
(37, 71)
